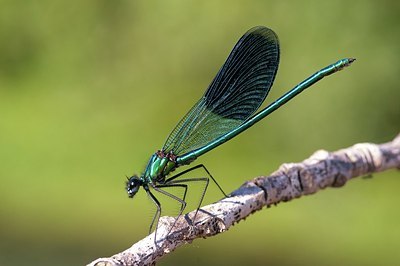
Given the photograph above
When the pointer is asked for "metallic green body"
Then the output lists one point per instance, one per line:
(160, 164)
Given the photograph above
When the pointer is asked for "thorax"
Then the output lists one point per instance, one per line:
(159, 166)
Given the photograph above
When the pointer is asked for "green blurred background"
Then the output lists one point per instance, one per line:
(90, 89)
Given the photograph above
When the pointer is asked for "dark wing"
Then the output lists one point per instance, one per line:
(236, 93)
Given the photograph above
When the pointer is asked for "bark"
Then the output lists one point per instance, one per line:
(292, 180)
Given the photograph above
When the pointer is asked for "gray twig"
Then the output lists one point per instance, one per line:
(292, 180)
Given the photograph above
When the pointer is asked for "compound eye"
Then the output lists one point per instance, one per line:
(133, 185)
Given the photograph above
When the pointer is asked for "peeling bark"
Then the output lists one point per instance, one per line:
(292, 180)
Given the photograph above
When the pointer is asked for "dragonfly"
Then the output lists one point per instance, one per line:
(227, 108)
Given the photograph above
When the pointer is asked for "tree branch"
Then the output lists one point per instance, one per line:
(293, 180)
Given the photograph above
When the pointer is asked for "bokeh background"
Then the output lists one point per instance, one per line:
(90, 89)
